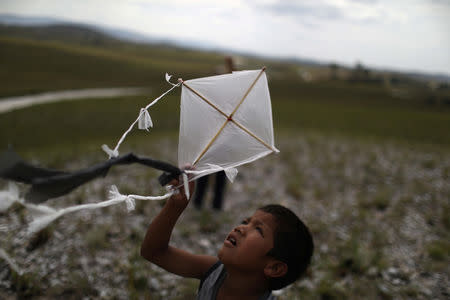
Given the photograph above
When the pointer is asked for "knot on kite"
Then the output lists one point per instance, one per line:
(231, 174)
(186, 185)
(131, 204)
(168, 80)
(144, 120)
(114, 194)
(111, 153)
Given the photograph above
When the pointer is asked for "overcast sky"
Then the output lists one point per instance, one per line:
(397, 34)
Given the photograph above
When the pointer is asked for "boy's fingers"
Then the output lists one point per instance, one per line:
(174, 182)
(188, 167)
(178, 183)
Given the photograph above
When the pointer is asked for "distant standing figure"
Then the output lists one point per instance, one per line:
(219, 189)
(202, 183)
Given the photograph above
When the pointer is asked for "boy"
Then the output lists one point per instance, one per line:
(268, 251)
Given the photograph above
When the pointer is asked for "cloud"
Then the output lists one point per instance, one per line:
(313, 9)
(441, 2)
(321, 11)
(370, 2)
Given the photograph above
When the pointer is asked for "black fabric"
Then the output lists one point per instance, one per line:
(219, 190)
(48, 183)
(210, 270)
(12, 167)
(200, 190)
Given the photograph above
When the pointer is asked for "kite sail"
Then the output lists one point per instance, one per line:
(225, 122)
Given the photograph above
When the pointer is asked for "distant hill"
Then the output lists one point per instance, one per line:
(57, 29)
(52, 29)
(24, 21)
(68, 33)
(53, 24)
(427, 77)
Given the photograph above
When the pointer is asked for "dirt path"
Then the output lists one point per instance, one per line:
(13, 103)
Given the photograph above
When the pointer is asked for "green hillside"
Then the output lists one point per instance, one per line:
(30, 66)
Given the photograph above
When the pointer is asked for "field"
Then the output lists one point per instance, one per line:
(366, 169)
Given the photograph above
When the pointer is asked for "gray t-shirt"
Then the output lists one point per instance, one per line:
(210, 284)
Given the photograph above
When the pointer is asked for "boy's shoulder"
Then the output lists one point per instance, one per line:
(213, 279)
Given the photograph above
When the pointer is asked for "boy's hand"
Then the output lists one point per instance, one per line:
(156, 248)
(179, 198)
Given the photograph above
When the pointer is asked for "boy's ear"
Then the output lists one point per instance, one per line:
(275, 268)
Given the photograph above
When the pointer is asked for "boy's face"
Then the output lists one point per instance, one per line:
(246, 246)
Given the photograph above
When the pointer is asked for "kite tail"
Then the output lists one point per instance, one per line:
(10, 262)
(115, 197)
(144, 121)
(186, 185)
(8, 197)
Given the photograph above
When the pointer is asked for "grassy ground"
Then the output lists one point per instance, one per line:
(78, 122)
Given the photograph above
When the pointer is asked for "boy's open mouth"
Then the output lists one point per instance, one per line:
(231, 239)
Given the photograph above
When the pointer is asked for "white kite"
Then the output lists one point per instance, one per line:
(225, 122)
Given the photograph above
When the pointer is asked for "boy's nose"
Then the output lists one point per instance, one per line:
(240, 229)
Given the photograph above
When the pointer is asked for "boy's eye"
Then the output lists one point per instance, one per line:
(260, 230)
(245, 222)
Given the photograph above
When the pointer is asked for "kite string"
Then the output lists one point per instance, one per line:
(143, 119)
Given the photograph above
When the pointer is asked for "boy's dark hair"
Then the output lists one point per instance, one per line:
(293, 244)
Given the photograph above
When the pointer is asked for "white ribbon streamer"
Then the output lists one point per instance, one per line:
(115, 197)
(40, 210)
(186, 185)
(145, 121)
(8, 197)
(231, 174)
(10, 262)
(168, 79)
(131, 204)
(111, 153)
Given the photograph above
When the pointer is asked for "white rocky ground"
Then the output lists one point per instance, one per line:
(379, 213)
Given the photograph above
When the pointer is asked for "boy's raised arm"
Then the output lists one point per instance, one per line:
(156, 248)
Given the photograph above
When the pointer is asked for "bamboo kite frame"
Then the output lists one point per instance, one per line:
(229, 117)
